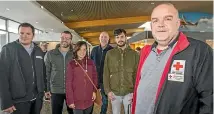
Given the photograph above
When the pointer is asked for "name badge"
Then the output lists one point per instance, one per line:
(177, 71)
(39, 57)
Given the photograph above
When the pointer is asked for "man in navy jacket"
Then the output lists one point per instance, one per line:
(98, 56)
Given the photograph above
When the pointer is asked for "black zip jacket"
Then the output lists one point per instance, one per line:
(186, 85)
(22, 77)
(98, 56)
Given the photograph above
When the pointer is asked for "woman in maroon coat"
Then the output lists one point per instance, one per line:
(80, 93)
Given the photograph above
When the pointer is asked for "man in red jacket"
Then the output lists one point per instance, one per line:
(175, 74)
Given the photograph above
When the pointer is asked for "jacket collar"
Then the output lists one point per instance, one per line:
(182, 42)
(126, 49)
(33, 45)
(154, 45)
(107, 47)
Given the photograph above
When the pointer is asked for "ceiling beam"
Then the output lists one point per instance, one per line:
(97, 34)
(106, 22)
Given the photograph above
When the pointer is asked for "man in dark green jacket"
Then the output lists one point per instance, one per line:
(56, 62)
(119, 72)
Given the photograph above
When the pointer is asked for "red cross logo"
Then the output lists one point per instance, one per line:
(178, 66)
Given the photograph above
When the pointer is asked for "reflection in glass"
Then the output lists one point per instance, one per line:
(2, 24)
(3, 39)
(13, 26)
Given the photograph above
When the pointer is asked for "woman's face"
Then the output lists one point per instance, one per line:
(82, 52)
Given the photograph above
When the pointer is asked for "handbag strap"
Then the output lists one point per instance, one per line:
(86, 74)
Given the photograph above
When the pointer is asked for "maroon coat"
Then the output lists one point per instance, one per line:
(79, 89)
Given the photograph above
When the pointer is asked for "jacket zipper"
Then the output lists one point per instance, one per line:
(101, 57)
(33, 74)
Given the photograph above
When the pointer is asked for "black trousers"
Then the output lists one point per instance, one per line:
(29, 107)
(86, 111)
(57, 102)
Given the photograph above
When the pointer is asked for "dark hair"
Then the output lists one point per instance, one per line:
(67, 32)
(77, 48)
(27, 25)
(119, 31)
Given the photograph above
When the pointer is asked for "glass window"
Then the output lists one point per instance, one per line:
(13, 37)
(36, 31)
(3, 39)
(13, 26)
(2, 24)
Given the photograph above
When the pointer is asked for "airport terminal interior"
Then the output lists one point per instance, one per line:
(87, 19)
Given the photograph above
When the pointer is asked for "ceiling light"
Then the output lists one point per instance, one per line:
(7, 9)
(72, 10)
(42, 7)
(52, 29)
(152, 3)
(37, 22)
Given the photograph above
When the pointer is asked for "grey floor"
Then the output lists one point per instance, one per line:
(47, 109)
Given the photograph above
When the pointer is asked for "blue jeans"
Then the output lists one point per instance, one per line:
(104, 100)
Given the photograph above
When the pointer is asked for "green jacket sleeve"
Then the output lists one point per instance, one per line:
(106, 75)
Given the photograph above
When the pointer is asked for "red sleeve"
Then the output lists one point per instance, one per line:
(68, 87)
(94, 76)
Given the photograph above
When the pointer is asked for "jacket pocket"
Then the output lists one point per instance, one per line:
(17, 85)
(56, 79)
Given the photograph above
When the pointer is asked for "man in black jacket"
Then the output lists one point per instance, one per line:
(22, 74)
(98, 56)
(175, 74)
(56, 61)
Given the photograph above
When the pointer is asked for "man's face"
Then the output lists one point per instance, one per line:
(121, 40)
(164, 23)
(44, 47)
(104, 38)
(25, 35)
(65, 40)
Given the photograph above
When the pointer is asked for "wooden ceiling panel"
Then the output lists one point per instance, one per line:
(77, 11)
(128, 31)
(110, 28)
(88, 18)
(107, 22)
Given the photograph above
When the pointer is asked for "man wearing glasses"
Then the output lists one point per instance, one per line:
(56, 62)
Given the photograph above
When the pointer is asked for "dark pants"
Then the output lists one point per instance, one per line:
(86, 111)
(57, 102)
(29, 107)
(104, 100)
